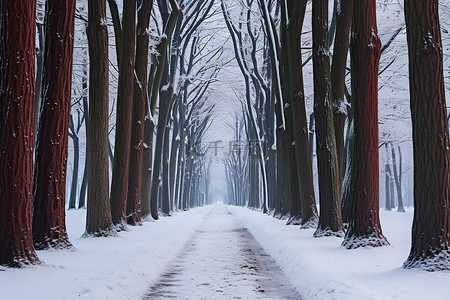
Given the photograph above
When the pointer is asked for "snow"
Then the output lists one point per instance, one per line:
(320, 268)
(103, 268)
(125, 267)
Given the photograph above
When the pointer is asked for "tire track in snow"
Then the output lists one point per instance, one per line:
(222, 260)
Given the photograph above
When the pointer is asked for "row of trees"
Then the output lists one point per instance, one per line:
(163, 80)
(348, 158)
(176, 65)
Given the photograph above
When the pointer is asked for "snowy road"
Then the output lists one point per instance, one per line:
(222, 261)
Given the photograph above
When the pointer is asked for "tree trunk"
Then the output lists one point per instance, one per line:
(364, 227)
(76, 160)
(147, 157)
(431, 225)
(83, 188)
(165, 207)
(137, 129)
(338, 69)
(388, 181)
(49, 228)
(119, 183)
(156, 176)
(39, 72)
(17, 113)
(347, 195)
(98, 218)
(397, 178)
(330, 221)
(300, 124)
(387, 187)
(311, 135)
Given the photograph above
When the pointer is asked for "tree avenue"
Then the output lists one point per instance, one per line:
(149, 90)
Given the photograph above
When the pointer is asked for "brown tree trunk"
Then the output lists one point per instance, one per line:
(49, 228)
(137, 129)
(119, 183)
(165, 205)
(17, 113)
(364, 227)
(147, 157)
(431, 225)
(338, 69)
(164, 104)
(98, 218)
(330, 221)
(300, 125)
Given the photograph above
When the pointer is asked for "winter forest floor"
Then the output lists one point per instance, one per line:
(224, 252)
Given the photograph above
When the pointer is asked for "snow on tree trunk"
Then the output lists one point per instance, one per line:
(364, 226)
(338, 70)
(330, 221)
(293, 61)
(431, 225)
(137, 127)
(17, 113)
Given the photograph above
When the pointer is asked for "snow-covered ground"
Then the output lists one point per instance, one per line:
(321, 269)
(126, 267)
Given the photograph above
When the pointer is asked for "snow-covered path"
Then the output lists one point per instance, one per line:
(222, 260)
(215, 252)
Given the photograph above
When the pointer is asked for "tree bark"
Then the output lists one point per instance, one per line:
(347, 195)
(119, 183)
(39, 73)
(364, 227)
(17, 113)
(165, 97)
(147, 157)
(76, 160)
(49, 228)
(83, 188)
(300, 125)
(330, 221)
(137, 129)
(98, 218)
(338, 69)
(165, 207)
(431, 224)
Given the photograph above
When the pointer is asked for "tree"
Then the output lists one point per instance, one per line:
(364, 227)
(292, 62)
(99, 221)
(17, 114)
(138, 115)
(49, 228)
(330, 221)
(431, 224)
(398, 177)
(338, 70)
(74, 135)
(119, 183)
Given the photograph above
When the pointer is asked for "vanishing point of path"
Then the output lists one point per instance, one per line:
(222, 260)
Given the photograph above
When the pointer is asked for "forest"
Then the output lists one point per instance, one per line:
(128, 114)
